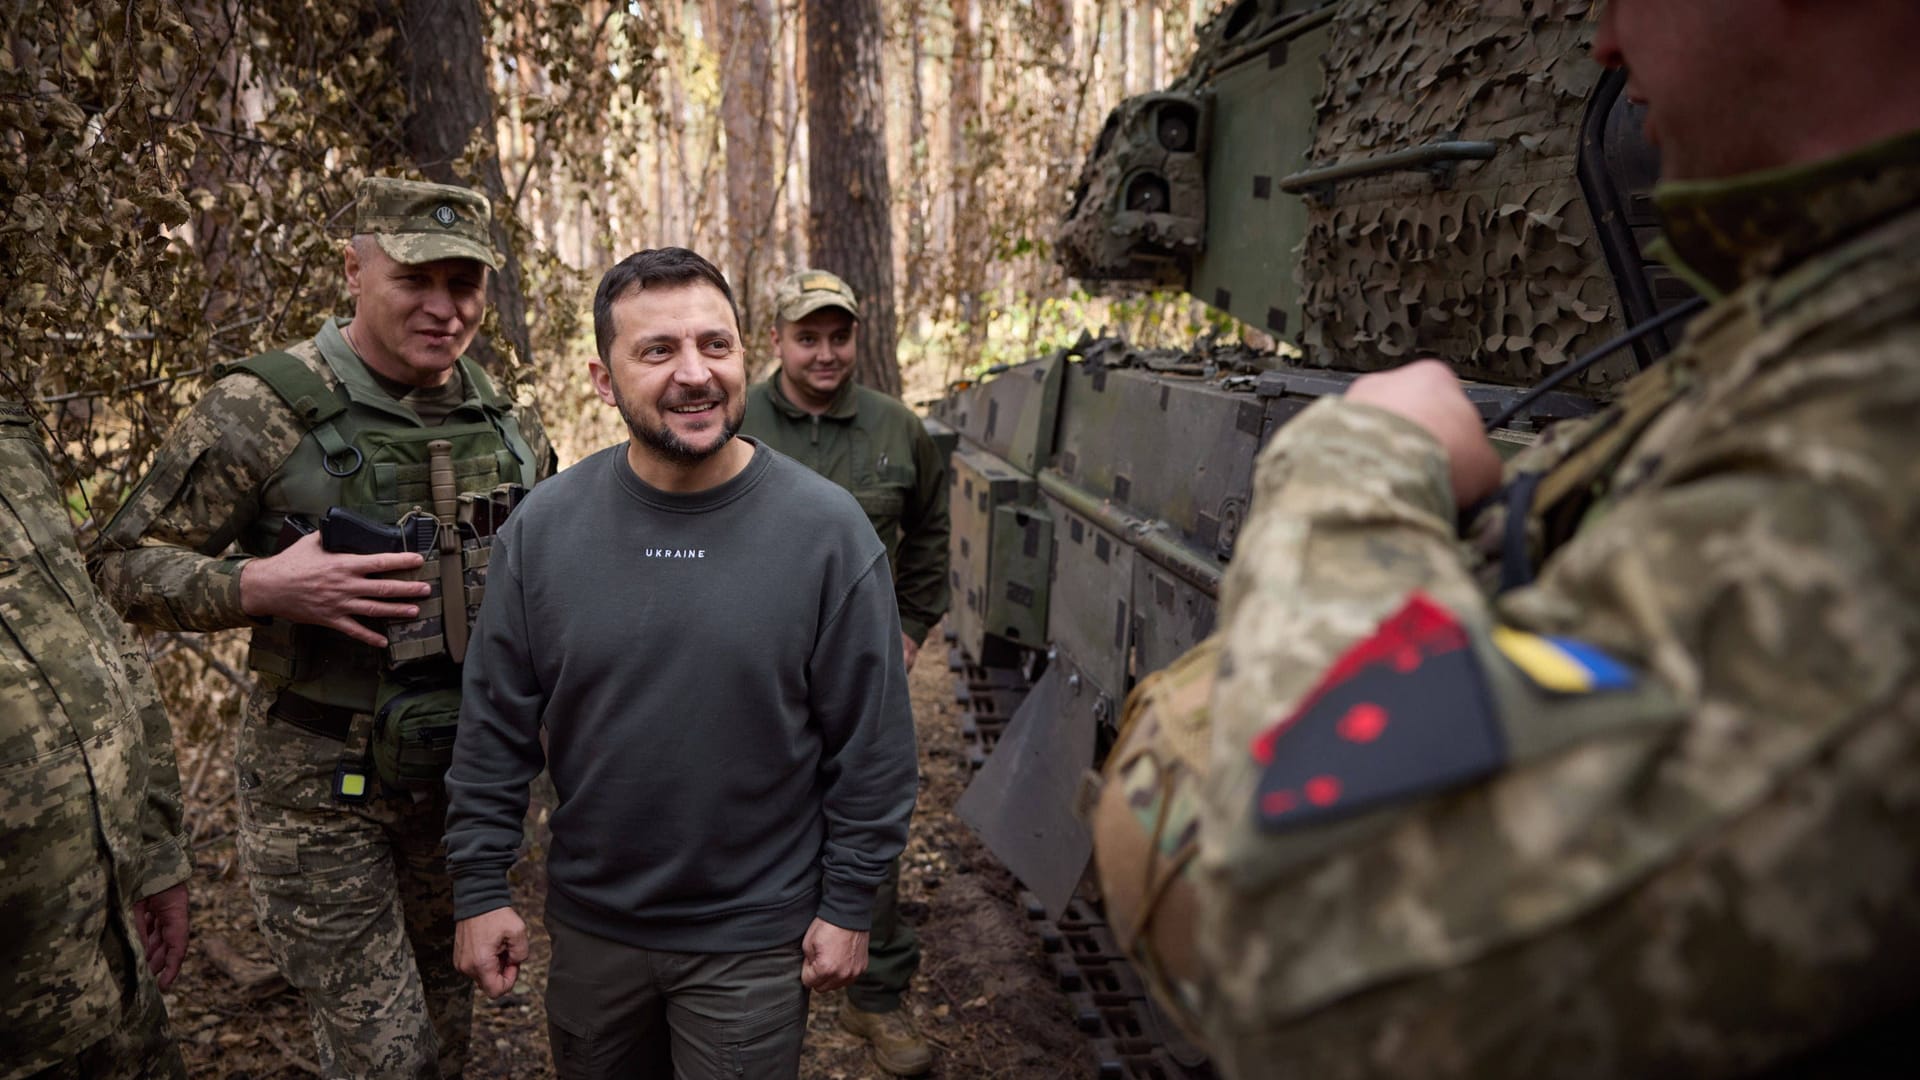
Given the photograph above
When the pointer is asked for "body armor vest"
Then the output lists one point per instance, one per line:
(367, 453)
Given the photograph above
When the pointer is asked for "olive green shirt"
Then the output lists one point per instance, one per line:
(875, 447)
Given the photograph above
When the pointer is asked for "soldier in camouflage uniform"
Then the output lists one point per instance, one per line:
(93, 867)
(350, 886)
(1622, 781)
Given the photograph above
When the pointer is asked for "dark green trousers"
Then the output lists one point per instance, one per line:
(893, 952)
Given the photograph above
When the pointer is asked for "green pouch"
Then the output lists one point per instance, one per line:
(416, 715)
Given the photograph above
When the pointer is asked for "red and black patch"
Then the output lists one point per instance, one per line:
(1404, 713)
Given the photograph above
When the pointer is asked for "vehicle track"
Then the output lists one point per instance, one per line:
(1129, 1037)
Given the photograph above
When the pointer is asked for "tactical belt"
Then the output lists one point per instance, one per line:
(328, 721)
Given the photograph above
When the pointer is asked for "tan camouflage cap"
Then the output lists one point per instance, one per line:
(801, 294)
(417, 222)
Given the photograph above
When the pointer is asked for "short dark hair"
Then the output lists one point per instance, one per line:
(654, 268)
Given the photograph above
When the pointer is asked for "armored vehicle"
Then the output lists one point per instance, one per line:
(1362, 183)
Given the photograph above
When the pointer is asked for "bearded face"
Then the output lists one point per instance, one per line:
(676, 371)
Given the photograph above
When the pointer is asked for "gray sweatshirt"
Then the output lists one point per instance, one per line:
(727, 720)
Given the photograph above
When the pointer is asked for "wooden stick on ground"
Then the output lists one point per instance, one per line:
(287, 1051)
(257, 980)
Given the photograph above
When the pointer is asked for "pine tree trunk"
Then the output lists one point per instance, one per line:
(443, 50)
(969, 230)
(1058, 17)
(793, 230)
(917, 157)
(1112, 49)
(849, 228)
(743, 31)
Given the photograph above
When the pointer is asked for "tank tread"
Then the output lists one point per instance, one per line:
(1131, 1039)
(989, 697)
(1128, 1036)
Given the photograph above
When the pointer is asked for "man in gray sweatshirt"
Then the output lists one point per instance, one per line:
(708, 634)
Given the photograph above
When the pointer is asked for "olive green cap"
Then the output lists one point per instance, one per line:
(417, 222)
(801, 294)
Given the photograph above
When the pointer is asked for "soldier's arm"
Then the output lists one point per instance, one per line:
(1657, 763)
(162, 821)
(161, 561)
(1352, 513)
(921, 578)
(546, 459)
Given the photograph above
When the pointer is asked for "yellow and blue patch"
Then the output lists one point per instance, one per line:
(1562, 665)
(1406, 713)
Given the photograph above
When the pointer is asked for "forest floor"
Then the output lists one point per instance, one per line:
(984, 996)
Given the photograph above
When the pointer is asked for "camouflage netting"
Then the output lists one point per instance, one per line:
(1501, 270)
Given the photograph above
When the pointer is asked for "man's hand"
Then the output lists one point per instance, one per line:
(833, 957)
(309, 584)
(1427, 393)
(489, 949)
(161, 920)
(908, 650)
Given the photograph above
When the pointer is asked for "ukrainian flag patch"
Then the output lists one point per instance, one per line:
(1562, 665)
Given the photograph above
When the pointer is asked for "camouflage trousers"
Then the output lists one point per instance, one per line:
(140, 1048)
(356, 906)
(893, 951)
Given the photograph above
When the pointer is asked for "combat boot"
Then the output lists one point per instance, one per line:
(897, 1046)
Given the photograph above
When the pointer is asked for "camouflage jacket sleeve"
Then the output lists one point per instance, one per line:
(1637, 845)
(161, 561)
(1352, 512)
(162, 818)
(546, 458)
(920, 581)
(89, 797)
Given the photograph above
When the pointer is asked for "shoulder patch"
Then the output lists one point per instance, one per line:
(1561, 665)
(1404, 713)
